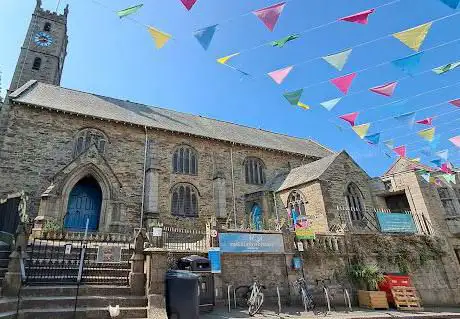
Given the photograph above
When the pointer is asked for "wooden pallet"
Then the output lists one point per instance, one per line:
(406, 298)
(372, 299)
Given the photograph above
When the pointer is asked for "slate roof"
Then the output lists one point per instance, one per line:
(71, 101)
(304, 174)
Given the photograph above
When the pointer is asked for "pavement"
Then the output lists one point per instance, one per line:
(358, 313)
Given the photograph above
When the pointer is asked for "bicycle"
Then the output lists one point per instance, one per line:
(250, 296)
(307, 299)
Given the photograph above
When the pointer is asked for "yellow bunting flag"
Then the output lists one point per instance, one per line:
(414, 37)
(427, 134)
(302, 105)
(224, 59)
(415, 160)
(160, 37)
(362, 129)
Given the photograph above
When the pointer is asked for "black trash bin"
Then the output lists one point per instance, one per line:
(182, 295)
(202, 267)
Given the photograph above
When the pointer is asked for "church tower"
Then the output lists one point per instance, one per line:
(44, 50)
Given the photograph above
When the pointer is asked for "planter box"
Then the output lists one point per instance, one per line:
(372, 299)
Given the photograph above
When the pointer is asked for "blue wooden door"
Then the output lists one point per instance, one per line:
(84, 203)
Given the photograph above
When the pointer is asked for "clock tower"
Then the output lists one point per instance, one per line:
(44, 50)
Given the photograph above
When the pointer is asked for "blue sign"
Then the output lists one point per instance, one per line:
(214, 257)
(396, 223)
(251, 243)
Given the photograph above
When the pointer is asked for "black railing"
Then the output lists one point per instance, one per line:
(179, 239)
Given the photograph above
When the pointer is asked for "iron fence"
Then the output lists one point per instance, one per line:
(179, 239)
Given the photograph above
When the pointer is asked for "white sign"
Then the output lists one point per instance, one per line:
(299, 246)
(68, 249)
(157, 232)
(213, 233)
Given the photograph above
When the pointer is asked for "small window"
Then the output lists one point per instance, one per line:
(37, 64)
(184, 161)
(353, 197)
(296, 206)
(87, 137)
(254, 171)
(47, 27)
(184, 200)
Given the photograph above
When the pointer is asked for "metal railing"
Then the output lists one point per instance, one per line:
(179, 239)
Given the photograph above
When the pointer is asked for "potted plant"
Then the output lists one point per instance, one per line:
(367, 277)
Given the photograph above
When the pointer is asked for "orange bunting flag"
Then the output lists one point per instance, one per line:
(159, 37)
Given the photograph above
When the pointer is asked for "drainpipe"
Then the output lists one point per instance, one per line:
(143, 178)
(233, 185)
(276, 209)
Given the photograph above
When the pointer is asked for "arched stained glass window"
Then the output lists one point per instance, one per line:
(353, 196)
(185, 160)
(87, 137)
(184, 200)
(254, 171)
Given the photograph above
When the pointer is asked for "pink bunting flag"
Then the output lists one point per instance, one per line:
(427, 121)
(360, 17)
(269, 15)
(188, 3)
(455, 140)
(385, 89)
(350, 117)
(400, 150)
(455, 102)
(279, 75)
(446, 169)
(343, 83)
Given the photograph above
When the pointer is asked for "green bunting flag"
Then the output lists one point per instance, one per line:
(446, 68)
(128, 11)
(293, 97)
(281, 42)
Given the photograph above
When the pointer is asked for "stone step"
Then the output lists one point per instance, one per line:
(71, 290)
(82, 302)
(81, 313)
(8, 304)
(8, 315)
(86, 280)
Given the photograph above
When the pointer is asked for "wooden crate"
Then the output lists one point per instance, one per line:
(372, 299)
(406, 298)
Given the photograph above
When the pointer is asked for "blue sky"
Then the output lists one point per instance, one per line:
(117, 58)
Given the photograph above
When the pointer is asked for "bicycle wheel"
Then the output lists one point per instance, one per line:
(242, 296)
(255, 306)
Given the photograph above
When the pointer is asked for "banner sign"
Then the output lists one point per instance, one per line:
(396, 223)
(251, 243)
(214, 257)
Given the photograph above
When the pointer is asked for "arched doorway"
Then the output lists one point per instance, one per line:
(84, 203)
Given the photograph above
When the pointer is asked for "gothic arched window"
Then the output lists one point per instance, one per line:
(184, 200)
(87, 137)
(296, 203)
(185, 160)
(353, 196)
(37, 64)
(47, 27)
(254, 171)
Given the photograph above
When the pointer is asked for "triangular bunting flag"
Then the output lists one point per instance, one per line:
(188, 3)
(350, 117)
(329, 105)
(205, 35)
(293, 97)
(426, 121)
(427, 134)
(450, 178)
(360, 17)
(128, 11)
(408, 64)
(436, 162)
(303, 105)
(407, 118)
(451, 3)
(455, 140)
(455, 102)
(269, 15)
(159, 37)
(281, 42)
(361, 130)
(224, 59)
(386, 89)
(373, 138)
(414, 37)
(400, 150)
(426, 177)
(444, 154)
(338, 60)
(279, 75)
(343, 83)
(438, 182)
(389, 143)
(446, 68)
(415, 160)
(446, 169)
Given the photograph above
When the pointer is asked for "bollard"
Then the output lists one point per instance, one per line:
(326, 293)
(229, 298)
(347, 299)
(279, 299)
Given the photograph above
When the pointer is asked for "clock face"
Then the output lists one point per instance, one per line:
(43, 39)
